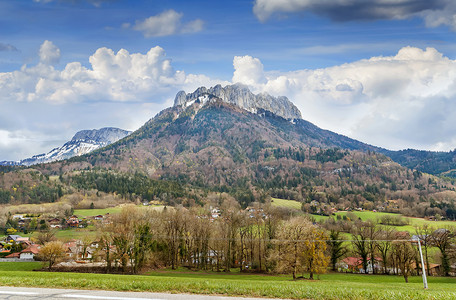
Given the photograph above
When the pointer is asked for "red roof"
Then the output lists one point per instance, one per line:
(352, 261)
(34, 248)
(13, 255)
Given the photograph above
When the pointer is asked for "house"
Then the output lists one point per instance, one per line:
(24, 240)
(75, 250)
(71, 249)
(21, 223)
(349, 264)
(55, 223)
(30, 252)
(12, 238)
(434, 269)
(3, 252)
(73, 221)
(355, 265)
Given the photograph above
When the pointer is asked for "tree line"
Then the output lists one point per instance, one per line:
(263, 238)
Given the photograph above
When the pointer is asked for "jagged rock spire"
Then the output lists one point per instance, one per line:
(241, 96)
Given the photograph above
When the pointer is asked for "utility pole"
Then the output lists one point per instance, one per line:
(422, 264)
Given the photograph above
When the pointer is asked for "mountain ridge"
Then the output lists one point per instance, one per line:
(83, 142)
(241, 96)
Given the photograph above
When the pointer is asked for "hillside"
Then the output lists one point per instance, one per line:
(207, 144)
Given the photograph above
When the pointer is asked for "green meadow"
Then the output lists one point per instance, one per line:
(83, 213)
(328, 286)
(368, 215)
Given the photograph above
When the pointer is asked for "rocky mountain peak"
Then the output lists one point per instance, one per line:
(105, 135)
(241, 96)
(83, 142)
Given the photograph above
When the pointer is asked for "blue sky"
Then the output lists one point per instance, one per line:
(380, 71)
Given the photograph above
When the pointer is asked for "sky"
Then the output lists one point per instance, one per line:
(380, 71)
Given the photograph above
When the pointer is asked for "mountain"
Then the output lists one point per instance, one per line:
(433, 162)
(242, 97)
(83, 142)
(231, 140)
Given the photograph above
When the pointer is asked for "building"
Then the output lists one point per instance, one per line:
(12, 238)
(30, 252)
(73, 221)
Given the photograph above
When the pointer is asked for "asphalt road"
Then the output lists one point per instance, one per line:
(20, 293)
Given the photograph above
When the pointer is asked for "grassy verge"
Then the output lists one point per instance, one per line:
(330, 286)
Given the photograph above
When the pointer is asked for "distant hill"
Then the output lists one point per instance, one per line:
(432, 162)
(83, 142)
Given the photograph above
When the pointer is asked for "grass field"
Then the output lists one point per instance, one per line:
(286, 203)
(95, 212)
(330, 286)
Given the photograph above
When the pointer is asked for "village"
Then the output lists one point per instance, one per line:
(15, 247)
(86, 249)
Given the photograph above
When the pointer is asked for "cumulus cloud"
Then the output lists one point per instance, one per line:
(434, 12)
(400, 101)
(7, 47)
(248, 70)
(49, 53)
(43, 106)
(112, 76)
(167, 23)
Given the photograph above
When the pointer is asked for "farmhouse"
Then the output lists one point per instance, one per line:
(73, 221)
(30, 252)
(13, 238)
(354, 265)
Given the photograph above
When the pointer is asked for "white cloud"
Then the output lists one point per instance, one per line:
(434, 12)
(118, 89)
(167, 23)
(193, 26)
(49, 53)
(248, 70)
(400, 101)
(112, 76)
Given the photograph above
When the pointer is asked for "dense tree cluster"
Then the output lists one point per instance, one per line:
(218, 239)
(128, 185)
(220, 236)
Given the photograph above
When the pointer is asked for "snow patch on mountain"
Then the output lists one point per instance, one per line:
(83, 142)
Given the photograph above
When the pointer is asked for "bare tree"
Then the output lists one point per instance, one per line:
(405, 255)
(173, 228)
(360, 235)
(290, 245)
(443, 239)
(46, 236)
(424, 233)
(386, 235)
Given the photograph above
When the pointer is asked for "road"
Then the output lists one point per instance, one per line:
(21, 293)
